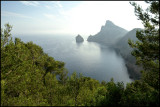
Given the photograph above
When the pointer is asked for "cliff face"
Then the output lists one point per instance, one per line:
(108, 34)
(123, 45)
(117, 38)
(79, 39)
(125, 50)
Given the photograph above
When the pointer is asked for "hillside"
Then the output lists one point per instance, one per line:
(108, 34)
(124, 49)
(29, 77)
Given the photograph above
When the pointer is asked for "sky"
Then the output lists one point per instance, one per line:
(67, 17)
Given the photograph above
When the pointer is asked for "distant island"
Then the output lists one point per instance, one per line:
(79, 38)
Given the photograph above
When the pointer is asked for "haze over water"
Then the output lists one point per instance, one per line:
(89, 58)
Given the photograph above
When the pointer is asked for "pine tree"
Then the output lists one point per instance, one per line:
(146, 50)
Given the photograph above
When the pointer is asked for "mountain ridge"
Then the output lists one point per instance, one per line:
(108, 34)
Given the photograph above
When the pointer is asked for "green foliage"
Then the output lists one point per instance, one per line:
(146, 50)
(115, 91)
(23, 71)
(5, 35)
(29, 77)
(140, 93)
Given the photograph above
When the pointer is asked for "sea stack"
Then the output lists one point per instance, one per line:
(79, 39)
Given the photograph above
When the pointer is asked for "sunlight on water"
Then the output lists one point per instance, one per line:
(89, 58)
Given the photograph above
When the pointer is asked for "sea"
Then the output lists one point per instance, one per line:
(91, 59)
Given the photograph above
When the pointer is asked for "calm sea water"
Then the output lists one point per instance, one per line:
(90, 59)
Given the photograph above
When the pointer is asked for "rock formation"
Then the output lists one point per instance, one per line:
(108, 34)
(79, 39)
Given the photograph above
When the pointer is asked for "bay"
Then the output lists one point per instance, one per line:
(91, 59)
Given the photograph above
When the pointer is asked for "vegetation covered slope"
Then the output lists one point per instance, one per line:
(29, 77)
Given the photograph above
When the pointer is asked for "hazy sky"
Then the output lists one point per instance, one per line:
(67, 17)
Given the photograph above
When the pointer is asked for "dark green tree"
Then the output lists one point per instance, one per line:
(5, 35)
(146, 50)
(24, 67)
(145, 92)
(139, 93)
